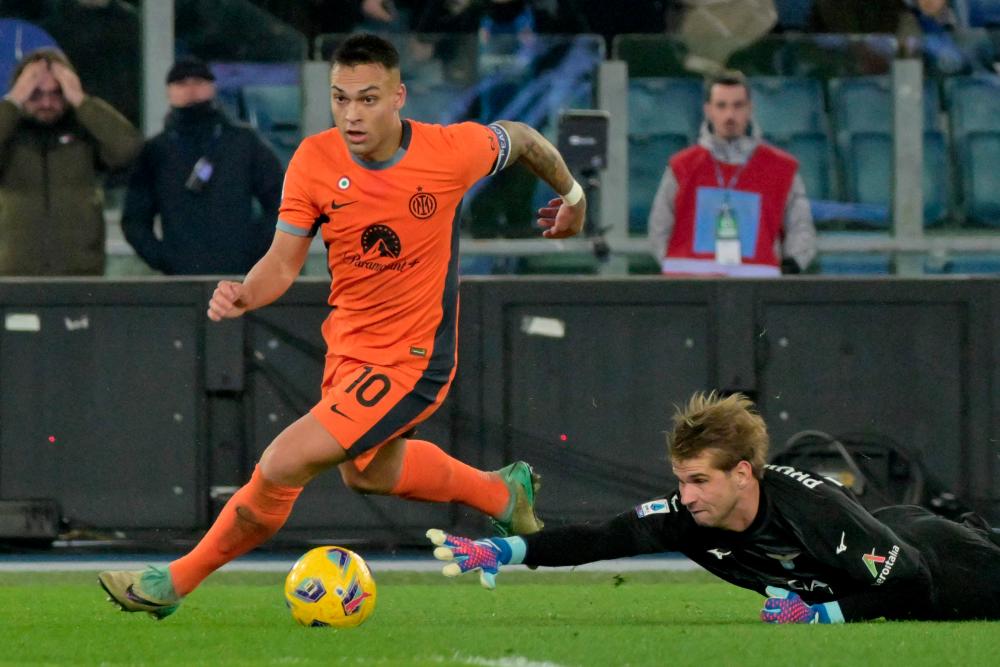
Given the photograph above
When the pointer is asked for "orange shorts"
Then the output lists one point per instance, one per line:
(365, 405)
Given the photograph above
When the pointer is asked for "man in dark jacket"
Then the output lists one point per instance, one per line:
(200, 175)
(53, 139)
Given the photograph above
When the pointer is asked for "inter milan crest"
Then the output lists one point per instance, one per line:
(423, 204)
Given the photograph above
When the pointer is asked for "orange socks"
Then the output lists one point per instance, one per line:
(430, 474)
(249, 519)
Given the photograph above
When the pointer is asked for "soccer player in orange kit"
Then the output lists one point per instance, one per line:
(385, 194)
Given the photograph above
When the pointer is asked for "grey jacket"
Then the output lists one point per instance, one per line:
(800, 234)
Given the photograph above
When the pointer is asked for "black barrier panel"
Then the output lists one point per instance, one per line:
(872, 370)
(580, 377)
(155, 414)
(588, 392)
(99, 410)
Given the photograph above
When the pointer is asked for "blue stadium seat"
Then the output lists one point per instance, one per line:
(794, 14)
(276, 111)
(647, 160)
(936, 179)
(812, 150)
(979, 157)
(975, 263)
(974, 104)
(854, 264)
(868, 172)
(231, 101)
(983, 13)
(864, 104)
(785, 106)
(435, 103)
(662, 105)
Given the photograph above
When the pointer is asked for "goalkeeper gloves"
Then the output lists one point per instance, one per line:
(786, 607)
(486, 555)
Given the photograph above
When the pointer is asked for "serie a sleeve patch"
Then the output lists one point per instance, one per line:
(659, 506)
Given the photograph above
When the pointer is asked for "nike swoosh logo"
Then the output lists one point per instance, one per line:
(334, 205)
(336, 410)
(141, 600)
(843, 547)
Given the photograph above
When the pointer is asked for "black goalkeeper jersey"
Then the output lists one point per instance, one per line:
(810, 536)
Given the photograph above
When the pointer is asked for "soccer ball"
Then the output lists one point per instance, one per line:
(330, 586)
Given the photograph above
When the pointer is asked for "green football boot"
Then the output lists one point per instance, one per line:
(148, 590)
(520, 517)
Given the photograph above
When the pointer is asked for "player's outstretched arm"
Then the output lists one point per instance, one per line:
(269, 278)
(563, 216)
(486, 555)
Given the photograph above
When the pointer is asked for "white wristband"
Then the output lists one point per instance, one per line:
(575, 194)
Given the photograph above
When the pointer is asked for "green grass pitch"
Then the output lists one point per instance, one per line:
(533, 619)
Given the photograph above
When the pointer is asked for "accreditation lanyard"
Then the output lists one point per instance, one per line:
(726, 187)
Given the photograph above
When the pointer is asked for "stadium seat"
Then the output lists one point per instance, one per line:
(785, 106)
(936, 179)
(854, 264)
(979, 157)
(231, 101)
(864, 104)
(660, 105)
(794, 14)
(647, 160)
(983, 13)
(973, 103)
(812, 150)
(435, 103)
(868, 172)
(16, 39)
(972, 264)
(276, 111)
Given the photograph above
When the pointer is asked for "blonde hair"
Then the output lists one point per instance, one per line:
(730, 428)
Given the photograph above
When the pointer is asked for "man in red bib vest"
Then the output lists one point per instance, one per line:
(731, 205)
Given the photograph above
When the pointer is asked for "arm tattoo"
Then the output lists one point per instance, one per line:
(544, 161)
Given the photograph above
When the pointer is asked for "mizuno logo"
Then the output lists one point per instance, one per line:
(843, 547)
(719, 553)
(336, 410)
(334, 205)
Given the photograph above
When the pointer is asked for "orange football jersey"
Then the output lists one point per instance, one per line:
(391, 230)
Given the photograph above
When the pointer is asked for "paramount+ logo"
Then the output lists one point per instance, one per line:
(381, 250)
(423, 204)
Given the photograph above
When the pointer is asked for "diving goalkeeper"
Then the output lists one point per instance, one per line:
(799, 539)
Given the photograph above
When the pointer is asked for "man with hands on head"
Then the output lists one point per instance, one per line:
(53, 139)
(800, 539)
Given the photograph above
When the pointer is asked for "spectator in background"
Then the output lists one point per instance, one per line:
(29, 10)
(732, 204)
(53, 138)
(201, 175)
(857, 16)
(102, 38)
(313, 18)
(926, 28)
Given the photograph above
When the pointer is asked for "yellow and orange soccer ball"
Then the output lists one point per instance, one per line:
(330, 586)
